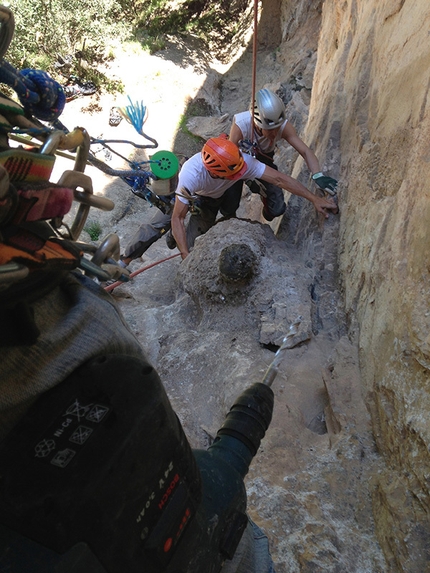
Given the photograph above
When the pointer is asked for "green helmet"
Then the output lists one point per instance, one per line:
(269, 110)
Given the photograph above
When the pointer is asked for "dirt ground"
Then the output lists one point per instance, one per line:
(307, 486)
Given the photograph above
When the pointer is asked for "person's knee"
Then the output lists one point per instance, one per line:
(272, 209)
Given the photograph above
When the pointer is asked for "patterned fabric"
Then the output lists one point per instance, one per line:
(41, 201)
(23, 165)
(31, 249)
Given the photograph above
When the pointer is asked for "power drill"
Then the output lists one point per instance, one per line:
(99, 477)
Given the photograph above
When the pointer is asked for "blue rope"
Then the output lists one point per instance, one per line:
(136, 112)
(39, 94)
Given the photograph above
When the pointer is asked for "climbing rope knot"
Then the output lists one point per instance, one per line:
(38, 93)
(51, 98)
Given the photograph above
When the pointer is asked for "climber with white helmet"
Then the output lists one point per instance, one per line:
(205, 188)
(260, 139)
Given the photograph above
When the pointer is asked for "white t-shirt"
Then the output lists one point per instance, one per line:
(243, 121)
(196, 179)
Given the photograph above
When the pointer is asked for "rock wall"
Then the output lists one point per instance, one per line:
(369, 123)
(353, 74)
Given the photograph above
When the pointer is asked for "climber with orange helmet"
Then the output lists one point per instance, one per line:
(260, 139)
(204, 189)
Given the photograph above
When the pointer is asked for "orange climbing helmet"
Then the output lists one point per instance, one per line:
(223, 158)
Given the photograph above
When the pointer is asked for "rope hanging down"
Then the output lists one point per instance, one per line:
(254, 59)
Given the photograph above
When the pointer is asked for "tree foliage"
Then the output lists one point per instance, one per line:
(46, 29)
(204, 18)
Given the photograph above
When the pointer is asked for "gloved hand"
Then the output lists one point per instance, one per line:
(326, 183)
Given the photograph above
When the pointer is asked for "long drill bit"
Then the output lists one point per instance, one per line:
(272, 370)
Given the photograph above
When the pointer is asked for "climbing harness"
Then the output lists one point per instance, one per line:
(195, 202)
(248, 147)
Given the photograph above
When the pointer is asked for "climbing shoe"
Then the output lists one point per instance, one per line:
(75, 87)
(115, 117)
(170, 240)
(266, 215)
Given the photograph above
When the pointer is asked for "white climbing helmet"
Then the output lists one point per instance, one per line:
(269, 110)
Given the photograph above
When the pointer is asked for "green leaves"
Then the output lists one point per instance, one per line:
(84, 32)
(46, 29)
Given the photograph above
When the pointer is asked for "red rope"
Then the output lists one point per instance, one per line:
(133, 274)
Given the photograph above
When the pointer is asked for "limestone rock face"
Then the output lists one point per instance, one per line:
(369, 120)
